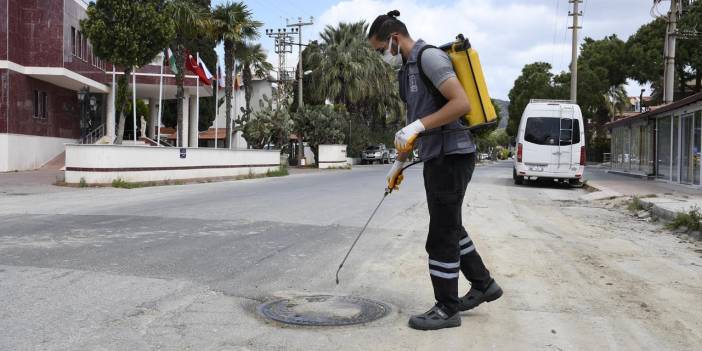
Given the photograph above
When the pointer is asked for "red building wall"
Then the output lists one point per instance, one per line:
(4, 19)
(36, 32)
(3, 99)
(63, 112)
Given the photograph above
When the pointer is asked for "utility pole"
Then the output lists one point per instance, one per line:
(300, 73)
(283, 45)
(297, 28)
(574, 56)
(669, 51)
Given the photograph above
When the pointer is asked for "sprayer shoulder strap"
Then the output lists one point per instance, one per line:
(438, 97)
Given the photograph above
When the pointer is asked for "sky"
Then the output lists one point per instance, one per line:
(506, 33)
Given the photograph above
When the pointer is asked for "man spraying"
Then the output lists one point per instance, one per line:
(435, 102)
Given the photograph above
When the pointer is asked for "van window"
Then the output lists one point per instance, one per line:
(546, 130)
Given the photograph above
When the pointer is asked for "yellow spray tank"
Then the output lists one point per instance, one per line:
(470, 73)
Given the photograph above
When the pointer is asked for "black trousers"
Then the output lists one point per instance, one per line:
(449, 246)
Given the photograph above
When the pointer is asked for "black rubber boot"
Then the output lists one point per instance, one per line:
(475, 297)
(434, 319)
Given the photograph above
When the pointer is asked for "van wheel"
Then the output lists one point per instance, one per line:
(518, 180)
(576, 183)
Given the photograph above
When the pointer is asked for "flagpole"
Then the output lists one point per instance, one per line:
(160, 104)
(134, 102)
(214, 92)
(197, 93)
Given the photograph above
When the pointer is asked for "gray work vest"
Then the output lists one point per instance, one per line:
(420, 103)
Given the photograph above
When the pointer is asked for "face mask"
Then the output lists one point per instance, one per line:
(389, 58)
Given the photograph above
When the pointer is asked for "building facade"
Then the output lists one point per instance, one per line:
(45, 61)
(663, 143)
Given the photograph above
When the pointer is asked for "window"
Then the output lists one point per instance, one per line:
(84, 46)
(40, 104)
(73, 40)
(35, 105)
(44, 104)
(552, 131)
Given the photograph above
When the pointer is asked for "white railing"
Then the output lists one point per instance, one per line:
(93, 136)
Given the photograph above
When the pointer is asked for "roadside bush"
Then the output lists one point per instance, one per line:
(635, 205)
(692, 220)
(283, 171)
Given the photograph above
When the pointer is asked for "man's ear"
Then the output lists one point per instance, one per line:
(395, 49)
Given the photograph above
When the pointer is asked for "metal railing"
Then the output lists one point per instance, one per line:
(93, 136)
(607, 158)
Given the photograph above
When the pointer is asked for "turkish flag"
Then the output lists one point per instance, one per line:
(192, 66)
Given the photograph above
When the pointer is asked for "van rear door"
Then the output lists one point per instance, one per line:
(541, 135)
(568, 153)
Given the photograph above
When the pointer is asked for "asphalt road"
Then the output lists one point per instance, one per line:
(184, 267)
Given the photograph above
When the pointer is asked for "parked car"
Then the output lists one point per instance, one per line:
(550, 142)
(392, 153)
(375, 153)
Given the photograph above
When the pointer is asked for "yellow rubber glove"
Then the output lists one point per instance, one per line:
(395, 177)
(404, 139)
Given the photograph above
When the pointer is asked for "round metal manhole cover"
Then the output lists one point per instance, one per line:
(324, 310)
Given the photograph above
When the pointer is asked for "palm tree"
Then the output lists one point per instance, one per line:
(352, 74)
(232, 24)
(252, 63)
(188, 20)
(616, 100)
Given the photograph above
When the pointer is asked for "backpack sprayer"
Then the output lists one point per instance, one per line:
(469, 72)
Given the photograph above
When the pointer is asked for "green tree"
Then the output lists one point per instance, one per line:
(321, 124)
(127, 34)
(253, 63)
(232, 24)
(189, 21)
(268, 125)
(351, 73)
(616, 101)
(645, 55)
(535, 82)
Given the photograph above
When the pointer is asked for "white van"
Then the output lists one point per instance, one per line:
(550, 142)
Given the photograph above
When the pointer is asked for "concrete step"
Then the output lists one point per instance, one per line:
(56, 163)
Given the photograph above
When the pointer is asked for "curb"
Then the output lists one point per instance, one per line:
(659, 211)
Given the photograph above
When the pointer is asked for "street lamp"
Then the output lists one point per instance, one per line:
(82, 97)
(641, 100)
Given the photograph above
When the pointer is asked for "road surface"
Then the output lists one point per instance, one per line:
(184, 267)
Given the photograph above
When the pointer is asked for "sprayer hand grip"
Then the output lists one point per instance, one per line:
(404, 138)
(394, 177)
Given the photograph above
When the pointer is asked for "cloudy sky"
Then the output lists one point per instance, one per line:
(507, 33)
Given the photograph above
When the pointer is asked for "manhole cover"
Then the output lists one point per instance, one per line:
(324, 310)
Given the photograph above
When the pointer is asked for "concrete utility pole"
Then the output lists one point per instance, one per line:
(574, 57)
(669, 52)
(283, 45)
(300, 73)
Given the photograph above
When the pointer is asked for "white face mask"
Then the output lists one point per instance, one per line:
(393, 60)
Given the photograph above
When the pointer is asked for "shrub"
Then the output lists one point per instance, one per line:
(692, 220)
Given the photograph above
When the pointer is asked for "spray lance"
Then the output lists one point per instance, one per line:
(388, 190)
(391, 187)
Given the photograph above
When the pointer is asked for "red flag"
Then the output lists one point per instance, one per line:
(192, 65)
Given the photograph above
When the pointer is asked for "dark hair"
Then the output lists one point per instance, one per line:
(384, 25)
